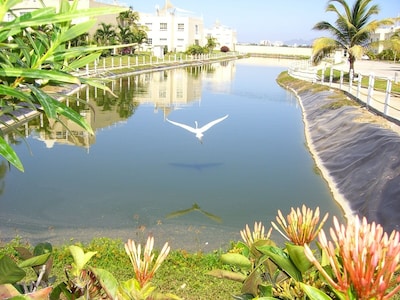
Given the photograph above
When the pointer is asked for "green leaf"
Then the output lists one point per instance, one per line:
(237, 260)
(35, 261)
(9, 271)
(298, 257)
(83, 61)
(42, 74)
(76, 30)
(282, 260)
(314, 293)
(75, 117)
(9, 154)
(15, 93)
(42, 248)
(107, 281)
(48, 103)
(80, 258)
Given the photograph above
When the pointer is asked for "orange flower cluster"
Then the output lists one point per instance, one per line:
(250, 237)
(143, 265)
(302, 225)
(363, 259)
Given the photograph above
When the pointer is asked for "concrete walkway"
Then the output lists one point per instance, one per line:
(380, 103)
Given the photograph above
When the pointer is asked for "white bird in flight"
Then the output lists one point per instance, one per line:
(198, 131)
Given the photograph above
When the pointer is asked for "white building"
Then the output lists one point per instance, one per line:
(223, 35)
(383, 34)
(172, 29)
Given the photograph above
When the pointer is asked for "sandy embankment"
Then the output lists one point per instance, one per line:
(358, 154)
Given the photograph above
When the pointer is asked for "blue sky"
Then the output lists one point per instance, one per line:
(255, 20)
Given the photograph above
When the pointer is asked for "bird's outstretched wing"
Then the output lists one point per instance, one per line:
(212, 123)
(184, 126)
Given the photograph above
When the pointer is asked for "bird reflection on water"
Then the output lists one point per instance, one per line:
(195, 207)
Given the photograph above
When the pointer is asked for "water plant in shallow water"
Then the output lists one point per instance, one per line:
(361, 262)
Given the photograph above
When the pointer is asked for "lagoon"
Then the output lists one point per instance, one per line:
(142, 175)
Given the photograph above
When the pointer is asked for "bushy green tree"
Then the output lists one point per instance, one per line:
(195, 50)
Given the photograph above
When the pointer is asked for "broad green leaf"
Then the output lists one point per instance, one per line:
(314, 293)
(35, 261)
(77, 30)
(42, 74)
(298, 257)
(83, 61)
(9, 271)
(107, 281)
(9, 154)
(14, 93)
(52, 18)
(236, 259)
(72, 115)
(42, 248)
(48, 103)
(80, 258)
(52, 108)
(282, 260)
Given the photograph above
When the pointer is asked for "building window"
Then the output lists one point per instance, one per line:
(181, 27)
(163, 27)
(196, 29)
(150, 41)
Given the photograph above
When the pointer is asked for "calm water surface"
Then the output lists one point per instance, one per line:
(142, 175)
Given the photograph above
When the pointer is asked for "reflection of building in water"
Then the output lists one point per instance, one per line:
(220, 76)
(168, 90)
(56, 132)
(164, 90)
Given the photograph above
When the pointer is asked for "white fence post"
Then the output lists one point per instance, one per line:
(359, 85)
(341, 78)
(350, 81)
(371, 83)
(331, 77)
(387, 96)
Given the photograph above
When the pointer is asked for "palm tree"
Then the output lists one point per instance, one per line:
(395, 42)
(105, 35)
(351, 31)
(128, 18)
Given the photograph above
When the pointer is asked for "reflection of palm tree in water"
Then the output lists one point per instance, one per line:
(195, 207)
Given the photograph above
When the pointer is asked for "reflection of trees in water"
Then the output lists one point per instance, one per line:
(196, 71)
(123, 103)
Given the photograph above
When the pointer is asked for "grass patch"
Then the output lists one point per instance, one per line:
(183, 274)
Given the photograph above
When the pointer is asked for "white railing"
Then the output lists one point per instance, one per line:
(383, 101)
(105, 66)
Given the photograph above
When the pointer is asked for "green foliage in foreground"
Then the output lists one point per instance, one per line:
(35, 52)
(183, 274)
(358, 261)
